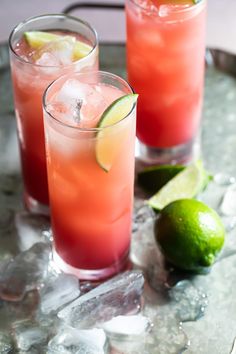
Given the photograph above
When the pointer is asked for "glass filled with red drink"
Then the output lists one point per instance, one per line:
(42, 49)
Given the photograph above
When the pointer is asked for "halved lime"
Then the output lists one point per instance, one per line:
(155, 177)
(105, 144)
(37, 39)
(186, 184)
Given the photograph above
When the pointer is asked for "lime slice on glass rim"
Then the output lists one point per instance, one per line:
(37, 39)
(186, 184)
(114, 113)
(176, 2)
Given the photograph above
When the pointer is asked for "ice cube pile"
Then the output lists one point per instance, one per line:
(51, 312)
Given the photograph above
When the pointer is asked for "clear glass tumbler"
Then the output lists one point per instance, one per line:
(33, 67)
(165, 60)
(90, 174)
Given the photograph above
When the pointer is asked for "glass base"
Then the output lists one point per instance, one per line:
(33, 206)
(91, 274)
(179, 154)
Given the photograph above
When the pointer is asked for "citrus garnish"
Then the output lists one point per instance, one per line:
(186, 184)
(190, 234)
(117, 111)
(37, 39)
(175, 2)
(155, 177)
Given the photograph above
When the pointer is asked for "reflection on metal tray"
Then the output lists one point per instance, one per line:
(223, 61)
(216, 330)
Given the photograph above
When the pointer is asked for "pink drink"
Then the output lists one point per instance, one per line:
(32, 71)
(90, 207)
(165, 58)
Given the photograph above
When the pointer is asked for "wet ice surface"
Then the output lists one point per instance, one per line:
(189, 302)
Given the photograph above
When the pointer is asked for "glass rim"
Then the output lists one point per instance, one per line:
(22, 23)
(84, 129)
(186, 9)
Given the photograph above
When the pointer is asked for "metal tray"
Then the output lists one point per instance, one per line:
(216, 330)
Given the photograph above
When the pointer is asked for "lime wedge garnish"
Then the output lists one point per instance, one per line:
(155, 177)
(175, 2)
(106, 142)
(186, 184)
(37, 39)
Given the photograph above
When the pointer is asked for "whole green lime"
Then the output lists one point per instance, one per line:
(190, 234)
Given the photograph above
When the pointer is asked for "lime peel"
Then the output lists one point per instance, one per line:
(37, 39)
(190, 234)
(117, 111)
(186, 184)
(153, 178)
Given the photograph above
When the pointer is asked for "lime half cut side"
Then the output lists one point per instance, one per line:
(186, 184)
(37, 39)
(106, 142)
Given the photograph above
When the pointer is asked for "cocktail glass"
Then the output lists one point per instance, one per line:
(90, 174)
(165, 59)
(32, 71)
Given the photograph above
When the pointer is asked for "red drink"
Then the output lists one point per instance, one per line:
(165, 56)
(90, 174)
(34, 66)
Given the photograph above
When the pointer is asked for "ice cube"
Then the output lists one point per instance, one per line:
(224, 179)
(143, 214)
(47, 59)
(167, 10)
(131, 326)
(189, 302)
(6, 345)
(24, 273)
(120, 295)
(71, 91)
(22, 310)
(228, 206)
(93, 106)
(72, 341)
(165, 336)
(70, 100)
(58, 291)
(30, 229)
(56, 53)
(229, 222)
(27, 335)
